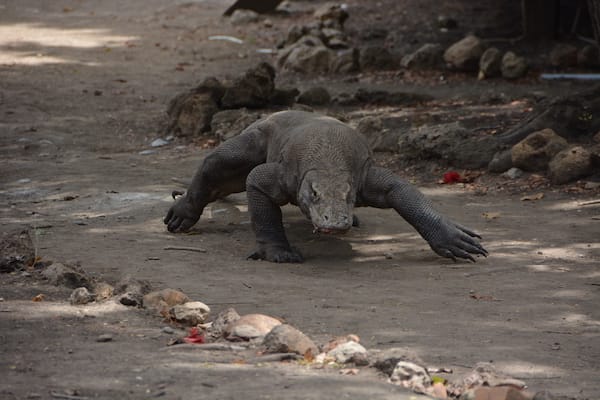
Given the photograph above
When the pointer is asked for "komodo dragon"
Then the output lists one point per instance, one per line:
(320, 165)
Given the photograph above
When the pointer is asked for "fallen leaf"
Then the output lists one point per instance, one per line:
(309, 356)
(491, 215)
(38, 298)
(349, 371)
(195, 336)
(532, 197)
(451, 177)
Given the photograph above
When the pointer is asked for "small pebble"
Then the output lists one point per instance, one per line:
(389, 256)
(146, 152)
(159, 142)
(104, 338)
(80, 222)
(168, 329)
(513, 173)
(24, 180)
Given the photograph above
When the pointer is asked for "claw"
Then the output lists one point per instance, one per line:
(176, 193)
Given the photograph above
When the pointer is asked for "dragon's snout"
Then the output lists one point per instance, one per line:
(331, 223)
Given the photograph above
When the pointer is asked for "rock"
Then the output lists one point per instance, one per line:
(589, 56)
(315, 96)
(262, 6)
(489, 63)
(243, 16)
(284, 97)
(253, 90)
(103, 291)
(513, 66)
(80, 296)
(499, 393)
(344, 61)
(287, 339)
(250, 326)
(168, 330)
(308, 56)
(66, 275)
(570, 164)
(386, 360)
(563, 55)
(190, 113)
(445, 22)
(219, 325)
(332, 15)
(106, 337)
(438, 391)
(295, 32)
(16, 251)
(376, 57)
(346, 352)
(485, 374)
(373, 33)
(131, 291)
(427, 56)
(230, 123)
(163, 300)
(535, 151)
(411, 376)
(464, 55)
(449, 142)
(513, 173)
(382, 133)
(501, 162)
(191, 313)
(333, 38)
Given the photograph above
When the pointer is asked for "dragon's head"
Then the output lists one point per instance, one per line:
(328, 201)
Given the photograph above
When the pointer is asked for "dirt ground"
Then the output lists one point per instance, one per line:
(83, 90)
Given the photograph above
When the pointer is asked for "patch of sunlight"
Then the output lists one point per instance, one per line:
(29, 58)
(46, 309)
(547, 268)
(569, 294)
(580, 319)
(379, 257)
(380, 237)
(561, 252)
(569, 205)
(28, 43)
(525, 369)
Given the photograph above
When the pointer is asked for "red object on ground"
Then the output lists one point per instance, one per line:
(452, 177)
(194, 337)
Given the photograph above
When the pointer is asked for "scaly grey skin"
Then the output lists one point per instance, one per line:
(320, 165)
